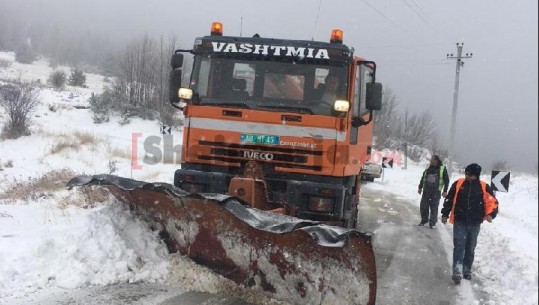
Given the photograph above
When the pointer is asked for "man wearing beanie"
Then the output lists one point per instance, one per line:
(434, 181)
(468, 203)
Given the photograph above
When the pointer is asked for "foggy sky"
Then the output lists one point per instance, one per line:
(498, 105)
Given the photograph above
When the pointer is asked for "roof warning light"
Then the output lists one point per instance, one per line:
(217, 29)
(336, 36)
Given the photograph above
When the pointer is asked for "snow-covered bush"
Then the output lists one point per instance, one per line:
(58, 79)
(77, 78)
(500, 165)
(415, 153)
(19, 100)
(100, 110)
(4, 63)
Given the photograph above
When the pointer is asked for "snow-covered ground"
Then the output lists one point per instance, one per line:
(43, 246)
(57, 239)
(506, 256)
(52, 237)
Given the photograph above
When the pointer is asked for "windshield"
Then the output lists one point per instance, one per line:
(270, 85)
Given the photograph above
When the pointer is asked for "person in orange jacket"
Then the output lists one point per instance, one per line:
(468, 203)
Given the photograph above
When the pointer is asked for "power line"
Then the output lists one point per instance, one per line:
(424, 17)
(380, 13)
(416, 12)
(370, 46)
(418, 7)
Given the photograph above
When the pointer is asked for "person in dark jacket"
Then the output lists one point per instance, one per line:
(468, 203)
(434, 180)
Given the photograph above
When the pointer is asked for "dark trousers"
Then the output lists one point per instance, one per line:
(430, 202)
(464, 242)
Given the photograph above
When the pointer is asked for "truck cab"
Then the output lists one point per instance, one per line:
(301, 110)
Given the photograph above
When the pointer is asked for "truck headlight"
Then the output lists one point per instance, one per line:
(341, 106)
(185, 93)
(321, 204)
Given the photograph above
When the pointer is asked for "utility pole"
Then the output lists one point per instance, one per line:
(241, 26)
(460, 63)
(406, 139)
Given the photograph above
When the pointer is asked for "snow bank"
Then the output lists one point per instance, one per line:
(506, 259)
(43, 246)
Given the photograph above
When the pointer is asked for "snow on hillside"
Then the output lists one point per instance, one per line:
(51, 237)
(39, 71)
(506, 261)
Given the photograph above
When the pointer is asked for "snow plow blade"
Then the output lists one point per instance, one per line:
(297, 261)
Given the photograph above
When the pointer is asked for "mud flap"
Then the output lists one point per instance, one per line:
(297, 261)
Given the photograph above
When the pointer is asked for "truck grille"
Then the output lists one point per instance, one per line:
(280, 157)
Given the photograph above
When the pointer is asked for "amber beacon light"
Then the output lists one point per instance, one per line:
(336, 36)
(216, 29)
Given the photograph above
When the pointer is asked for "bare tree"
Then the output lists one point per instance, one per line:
(437, 148)
(419, 128)
(386, 120)
(500, 165)
(140, 87)
(19, 100)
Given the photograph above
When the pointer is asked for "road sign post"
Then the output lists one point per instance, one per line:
(166, 129)
(499, 181)
(387, 162)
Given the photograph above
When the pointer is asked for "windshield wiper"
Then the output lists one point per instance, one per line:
(224, 104)
(292, 108)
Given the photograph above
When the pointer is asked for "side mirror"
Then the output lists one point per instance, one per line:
(174, 85)
(176, 62)
(374, 96)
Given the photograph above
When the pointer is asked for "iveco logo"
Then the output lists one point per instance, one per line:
(257, 155)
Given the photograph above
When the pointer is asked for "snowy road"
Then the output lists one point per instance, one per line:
(411, 261)
(199, 298)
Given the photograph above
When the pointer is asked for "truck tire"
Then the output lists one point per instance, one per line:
(350, 219)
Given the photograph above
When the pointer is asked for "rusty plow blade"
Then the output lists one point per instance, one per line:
(297, 261)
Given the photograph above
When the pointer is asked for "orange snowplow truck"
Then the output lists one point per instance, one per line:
(271, 127)
(285, 125)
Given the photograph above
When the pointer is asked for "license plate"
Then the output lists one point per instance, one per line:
(259, 139)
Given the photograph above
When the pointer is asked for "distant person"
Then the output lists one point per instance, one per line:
(434, 181)
(330, 90)
(469, 202)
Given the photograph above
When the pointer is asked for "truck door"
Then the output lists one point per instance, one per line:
(360, 136)
(365, 135)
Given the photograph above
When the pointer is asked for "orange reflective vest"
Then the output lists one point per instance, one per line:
(490, 203)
